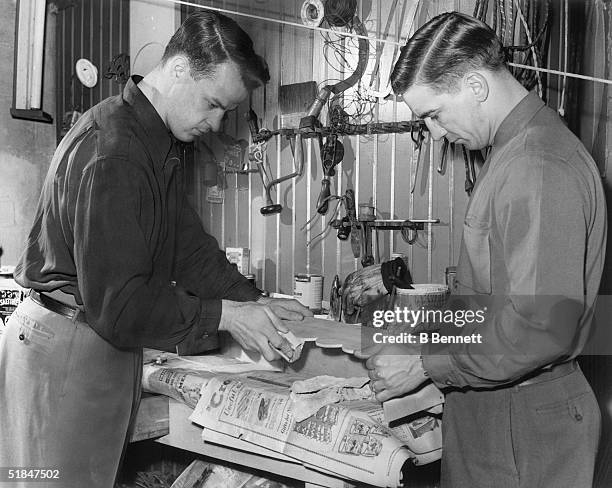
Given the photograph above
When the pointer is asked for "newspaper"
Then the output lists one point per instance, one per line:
(341, 438)
(201, 474)
(182, 377)
(422, 435)
(309, 395)
(183, 385)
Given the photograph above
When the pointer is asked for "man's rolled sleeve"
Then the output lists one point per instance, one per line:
(202, 335)
(441, 369)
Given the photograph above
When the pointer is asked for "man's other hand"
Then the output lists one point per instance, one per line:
(394, 370)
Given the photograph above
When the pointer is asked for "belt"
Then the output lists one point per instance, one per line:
(58, 307)
(550, 373)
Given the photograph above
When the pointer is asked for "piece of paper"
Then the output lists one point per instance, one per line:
(293, 349)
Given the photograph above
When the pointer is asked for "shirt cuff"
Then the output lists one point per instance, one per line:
(203, 335)
(441, 370)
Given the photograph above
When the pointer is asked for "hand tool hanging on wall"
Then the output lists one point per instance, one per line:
(470, 178)
(444, 157)
(348, 225)
(416, 156)
(332, 151)
(472, 159)
(258, 155)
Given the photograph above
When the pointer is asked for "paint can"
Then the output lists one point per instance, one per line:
(308, 290)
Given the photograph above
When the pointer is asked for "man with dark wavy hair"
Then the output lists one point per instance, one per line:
(519, 412)
(118, 260)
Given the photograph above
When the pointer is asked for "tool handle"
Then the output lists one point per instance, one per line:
(251, 118)
(273, 208)
(322, 202)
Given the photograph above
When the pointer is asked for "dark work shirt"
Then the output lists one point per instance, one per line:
(114, 229)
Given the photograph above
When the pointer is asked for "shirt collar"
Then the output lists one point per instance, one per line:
(518, 118)
(158, 137)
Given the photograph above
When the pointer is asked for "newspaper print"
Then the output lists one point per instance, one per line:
(339, 438)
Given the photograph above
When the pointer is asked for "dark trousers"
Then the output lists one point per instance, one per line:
(540, 435)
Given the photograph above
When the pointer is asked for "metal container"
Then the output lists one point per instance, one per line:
(308, 290)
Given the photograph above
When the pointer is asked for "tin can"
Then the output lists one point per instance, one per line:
(241, 257)
(308, 290)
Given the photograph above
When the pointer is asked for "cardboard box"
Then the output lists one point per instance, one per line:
(11, 295)
(241, 257)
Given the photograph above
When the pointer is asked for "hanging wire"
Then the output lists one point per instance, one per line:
(338, 50)
(519, 11)
(401, 42)
(339, 13)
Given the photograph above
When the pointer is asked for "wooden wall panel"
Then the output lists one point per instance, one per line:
(94, 29)
(377, 167)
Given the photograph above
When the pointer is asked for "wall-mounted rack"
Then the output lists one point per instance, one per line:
(366, 228)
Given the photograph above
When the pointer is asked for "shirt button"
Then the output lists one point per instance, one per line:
(449, 382)
(21, 337)
(204, 336)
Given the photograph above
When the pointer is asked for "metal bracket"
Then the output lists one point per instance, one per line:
(366, 228)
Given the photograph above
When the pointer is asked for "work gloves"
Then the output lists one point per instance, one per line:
(363, 286)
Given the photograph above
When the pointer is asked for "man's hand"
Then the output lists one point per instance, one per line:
(286, 308)
(360, 288)
(394, 370)
(255, 327)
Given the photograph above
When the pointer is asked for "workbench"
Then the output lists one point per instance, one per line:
(327, 351)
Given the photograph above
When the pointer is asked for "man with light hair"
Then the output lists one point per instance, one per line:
(118, 260)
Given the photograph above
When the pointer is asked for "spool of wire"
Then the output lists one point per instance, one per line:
(312, 13)
(340, 13)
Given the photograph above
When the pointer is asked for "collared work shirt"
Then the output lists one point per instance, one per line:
(532, 253)
(114, 229)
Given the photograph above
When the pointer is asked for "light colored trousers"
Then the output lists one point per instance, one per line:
(542, 435)
(67, 398)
